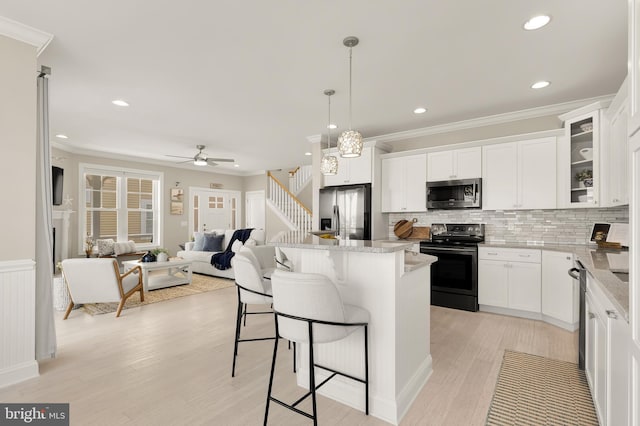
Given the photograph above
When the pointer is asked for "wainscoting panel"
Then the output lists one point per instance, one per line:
(17, 321)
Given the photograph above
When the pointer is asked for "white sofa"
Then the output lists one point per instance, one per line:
(202, 259)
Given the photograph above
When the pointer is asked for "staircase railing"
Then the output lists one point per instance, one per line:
(289, 205)
(299, 178)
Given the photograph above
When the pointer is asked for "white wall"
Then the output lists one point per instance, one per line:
(18, 142)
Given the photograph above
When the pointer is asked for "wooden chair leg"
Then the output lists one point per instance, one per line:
(120, 306)
(69, 308)
(141, 293)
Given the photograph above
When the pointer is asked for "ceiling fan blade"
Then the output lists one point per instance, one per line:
(177, 156)
(222, 160)
(211, 163)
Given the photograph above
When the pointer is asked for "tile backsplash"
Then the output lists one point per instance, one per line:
(516, 226)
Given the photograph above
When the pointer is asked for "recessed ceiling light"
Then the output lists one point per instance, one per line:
(236, 165)
(307, 154)
(119, 102)
(332, 126)
(420, 110)
(536, 22)
(61, 136)
(540, 84)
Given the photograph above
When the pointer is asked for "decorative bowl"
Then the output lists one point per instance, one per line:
(587, 153)
(586, 127)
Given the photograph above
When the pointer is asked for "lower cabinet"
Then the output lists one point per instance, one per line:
(607, 357)
(560, 292)
(509, 278)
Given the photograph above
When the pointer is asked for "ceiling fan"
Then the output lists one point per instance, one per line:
(201, 159)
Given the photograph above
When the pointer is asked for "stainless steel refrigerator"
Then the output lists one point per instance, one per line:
(347, 210)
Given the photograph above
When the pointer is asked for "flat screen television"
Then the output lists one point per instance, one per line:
(57, 175)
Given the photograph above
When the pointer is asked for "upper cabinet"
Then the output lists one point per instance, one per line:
(403, 183)
(454, 164)
(614, 182)
(519, 175)
(579, 158)
(352, 170)
(634, 66)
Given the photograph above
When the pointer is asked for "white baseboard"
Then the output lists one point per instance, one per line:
(530, 315)
(413, 387)
(18, 373)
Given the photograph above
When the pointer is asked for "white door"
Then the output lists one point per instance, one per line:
(468, 163)
(213, 209)
(524, 286)
(415, 186)
(493, 282)
(559, 290)
(537, 174)
(499, 176)
(254, 209)
(440, 166)
(634, 279)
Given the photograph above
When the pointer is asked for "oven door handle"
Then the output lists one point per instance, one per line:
(458, 250)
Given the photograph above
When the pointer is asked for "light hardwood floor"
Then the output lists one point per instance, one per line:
(169, 363)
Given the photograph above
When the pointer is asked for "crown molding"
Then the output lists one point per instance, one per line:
(25, 34)
(492, 119)
(314, 139)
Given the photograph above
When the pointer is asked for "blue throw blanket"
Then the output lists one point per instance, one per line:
(222, 260)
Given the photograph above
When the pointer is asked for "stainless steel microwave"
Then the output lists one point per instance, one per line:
(455, 194)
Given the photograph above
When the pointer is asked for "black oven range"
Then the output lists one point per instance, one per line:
(454, 277)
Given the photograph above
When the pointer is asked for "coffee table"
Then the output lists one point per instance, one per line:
(178, 272)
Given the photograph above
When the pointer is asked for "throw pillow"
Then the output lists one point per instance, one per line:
(198, 243)
(250, 243)
(124, 247)
(212, 242)
(236, 246)
(105, 247)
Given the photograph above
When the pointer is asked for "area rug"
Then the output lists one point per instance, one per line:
(534, 390)
(199, 284)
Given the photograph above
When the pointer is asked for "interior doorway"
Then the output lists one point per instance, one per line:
(213, 209)
(254, 209)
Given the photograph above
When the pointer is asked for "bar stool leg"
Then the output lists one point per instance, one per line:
(312, 375)
(366, 369)
(273, 367)
(235, 347)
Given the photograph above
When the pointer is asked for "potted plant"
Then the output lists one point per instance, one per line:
(162, 254)
(585, 177)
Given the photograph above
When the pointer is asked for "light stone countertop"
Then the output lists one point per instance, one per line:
(596, 263)
(309, 241)
(413, 260)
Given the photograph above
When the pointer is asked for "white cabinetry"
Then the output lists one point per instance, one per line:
(634, 71)
(454, 164)
(560, 292)
(404, 183)
(614, 188)
(579, 158)
(352, 170)
(607, 361)
(509, 278)
(519, 175)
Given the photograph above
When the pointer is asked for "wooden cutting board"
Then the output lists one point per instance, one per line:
(403, 229)
(421, 233)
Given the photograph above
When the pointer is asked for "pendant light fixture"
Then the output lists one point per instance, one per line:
(329, 163)
(350, 141)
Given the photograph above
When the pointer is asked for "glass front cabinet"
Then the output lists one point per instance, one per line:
(579, 158)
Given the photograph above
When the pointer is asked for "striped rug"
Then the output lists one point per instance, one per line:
(199, 284)
(534, 390)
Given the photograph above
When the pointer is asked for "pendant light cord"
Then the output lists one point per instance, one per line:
(350, 95)
(329, 126)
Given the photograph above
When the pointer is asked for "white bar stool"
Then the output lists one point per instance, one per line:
(308, 309)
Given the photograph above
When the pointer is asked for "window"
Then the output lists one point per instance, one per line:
(121, 204)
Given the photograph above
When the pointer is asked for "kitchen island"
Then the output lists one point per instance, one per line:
(393, 285)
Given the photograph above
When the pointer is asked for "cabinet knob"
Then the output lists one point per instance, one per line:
(591, 315)
(568, 257)
(612, 314)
